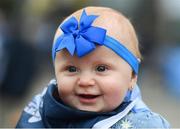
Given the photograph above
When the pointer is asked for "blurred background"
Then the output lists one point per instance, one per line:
(27, 28)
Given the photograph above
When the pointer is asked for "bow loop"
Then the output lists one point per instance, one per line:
(70, 25)
(68, 43)
(95, 34)
(86, 20)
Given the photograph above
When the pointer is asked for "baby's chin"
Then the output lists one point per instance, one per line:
(93, 109)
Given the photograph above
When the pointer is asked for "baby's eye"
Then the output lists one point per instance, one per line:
(101, 68)
(71, 69)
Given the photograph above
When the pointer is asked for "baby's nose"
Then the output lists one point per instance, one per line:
(86, 80)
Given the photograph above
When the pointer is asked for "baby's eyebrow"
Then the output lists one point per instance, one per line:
(102, 61)
(65, 62)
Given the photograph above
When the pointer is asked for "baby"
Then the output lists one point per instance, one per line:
(96, 59)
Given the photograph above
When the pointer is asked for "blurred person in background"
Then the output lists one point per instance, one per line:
(16, 70)
(169, 60)
(168, 53)
(16, 60)
(3, 49)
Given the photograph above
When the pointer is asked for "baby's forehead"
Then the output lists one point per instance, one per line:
(100, 54)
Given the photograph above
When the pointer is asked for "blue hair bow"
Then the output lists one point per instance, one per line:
(79, 38)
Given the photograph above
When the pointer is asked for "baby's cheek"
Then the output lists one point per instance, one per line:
(115, 97)
(64, 85)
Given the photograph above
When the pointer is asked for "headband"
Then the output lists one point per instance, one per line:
(81, 38)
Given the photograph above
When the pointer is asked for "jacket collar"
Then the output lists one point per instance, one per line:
(56, 114)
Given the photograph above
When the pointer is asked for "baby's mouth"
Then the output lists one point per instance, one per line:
(88, 98)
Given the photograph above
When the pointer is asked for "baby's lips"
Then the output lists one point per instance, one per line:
(88, 96)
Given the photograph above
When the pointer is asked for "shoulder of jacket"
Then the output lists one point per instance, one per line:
(37, 101)
(145, 119)
(31, 116)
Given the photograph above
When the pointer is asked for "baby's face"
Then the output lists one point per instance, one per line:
(96, 82)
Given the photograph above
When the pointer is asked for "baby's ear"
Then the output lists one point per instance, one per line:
(133, 80)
